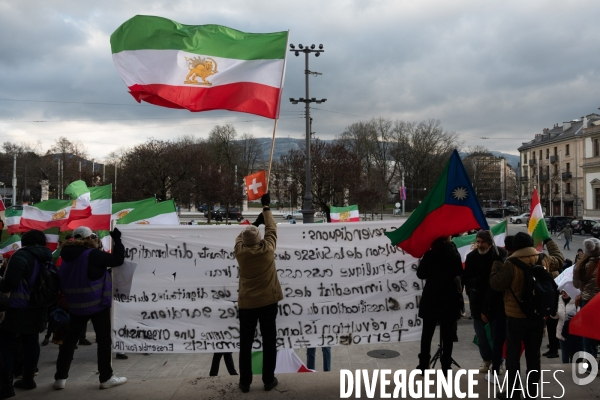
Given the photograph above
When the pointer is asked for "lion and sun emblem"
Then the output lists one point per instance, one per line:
(200, 68)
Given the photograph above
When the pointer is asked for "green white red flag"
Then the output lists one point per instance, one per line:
(465, 244)
(200, 67)
(119, 210)
(288, 362)
(100, 206)
(163, 213)
(52, 236)
(537, 224)
(80, 194)
(46, 214)
(13, 221)
(10, 245)
(344, 214)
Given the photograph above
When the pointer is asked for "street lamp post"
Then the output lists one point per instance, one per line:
(307, 214)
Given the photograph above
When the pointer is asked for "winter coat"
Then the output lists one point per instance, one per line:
(258, 285)
(98, 260)
(482, 299)
(567, 231)
(506, 276)
(440, 298)
(20, 267)
(564, 313)
(584, 277)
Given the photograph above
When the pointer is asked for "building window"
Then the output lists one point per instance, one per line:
(555, 169)
(540, 154)
(596, 147)
(547, 154)
(568, 191)
(525, 158)
(555, 150)
(556, 188)
(566, 150)
(568, 167)
(597, 205)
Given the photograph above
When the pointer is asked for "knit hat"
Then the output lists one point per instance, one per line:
(509, 243)
(251, 236)
(486, 236)
(522, 240)
(592, 247)
(82, 232)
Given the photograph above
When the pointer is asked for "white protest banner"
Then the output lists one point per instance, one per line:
(343, 284)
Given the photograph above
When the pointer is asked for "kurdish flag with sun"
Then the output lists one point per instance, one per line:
(537, 224)
(200, 67)
(451, 207)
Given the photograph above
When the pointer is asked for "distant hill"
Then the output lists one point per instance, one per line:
(283, 145)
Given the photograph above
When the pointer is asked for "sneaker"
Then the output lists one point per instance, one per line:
(122, 356)
(271, 385)
(59, 384)
(25, 385)
(552, 355)
(85, 342)
(112, 382)
(485, 366)
(244, 388)
(502, 369)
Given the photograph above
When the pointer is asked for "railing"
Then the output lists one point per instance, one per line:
(567, 175)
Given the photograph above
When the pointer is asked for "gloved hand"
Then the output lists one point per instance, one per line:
(259, 221)
(265, 200)
(115, 234)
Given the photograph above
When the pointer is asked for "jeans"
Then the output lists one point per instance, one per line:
(447, 338)
(485, 351)
(498, 338)
(530, 331)
(566, 246)
(589, 345)
(248, 319)
(31, 352)
(310, 358)
(102, 328)
(214, 368)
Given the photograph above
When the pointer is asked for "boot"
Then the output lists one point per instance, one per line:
(26, 382)
(6, 386)
(423, 363)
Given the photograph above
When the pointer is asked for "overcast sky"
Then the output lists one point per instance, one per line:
(486, 69)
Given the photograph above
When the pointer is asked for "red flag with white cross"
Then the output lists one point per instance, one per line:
(256, 185)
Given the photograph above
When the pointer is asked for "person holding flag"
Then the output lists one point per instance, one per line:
(259, 293)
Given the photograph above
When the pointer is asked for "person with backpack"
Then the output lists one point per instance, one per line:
(525, 324)
(584, 279)
(24, 319)
(86, 283)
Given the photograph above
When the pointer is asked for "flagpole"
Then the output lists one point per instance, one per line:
(277, 115)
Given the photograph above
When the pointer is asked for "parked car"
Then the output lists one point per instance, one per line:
(296, 215)
(520, 219)
(596, 230)
(562, 221)
(220, 214)
(583, 226)
(494, 214)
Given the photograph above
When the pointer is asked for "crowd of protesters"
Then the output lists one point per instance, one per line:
(494, 279)
(85, 294)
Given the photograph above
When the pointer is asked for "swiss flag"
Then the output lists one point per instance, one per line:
(256, 185)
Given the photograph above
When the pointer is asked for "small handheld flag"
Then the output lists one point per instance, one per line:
(256, 185)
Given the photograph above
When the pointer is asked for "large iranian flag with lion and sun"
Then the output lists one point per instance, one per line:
(200, 67)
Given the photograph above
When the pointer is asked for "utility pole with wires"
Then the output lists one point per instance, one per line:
(307, 213)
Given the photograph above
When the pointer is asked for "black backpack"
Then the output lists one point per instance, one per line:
(47, 284)
(539, 297)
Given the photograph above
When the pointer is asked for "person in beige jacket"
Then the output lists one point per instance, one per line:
(508, 278)
(259, 292)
